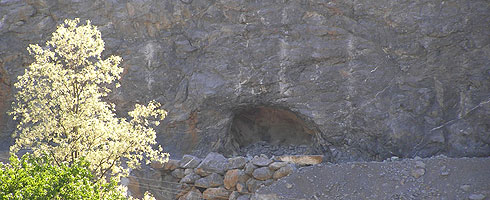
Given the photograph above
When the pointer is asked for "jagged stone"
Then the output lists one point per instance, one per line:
(202, 172)
(190, 178)
(236, 162)
(189, 162)
(213, 180)
(231, 178)
(214, 162)
(192, 195)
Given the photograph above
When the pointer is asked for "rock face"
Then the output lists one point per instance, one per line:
(366, 80)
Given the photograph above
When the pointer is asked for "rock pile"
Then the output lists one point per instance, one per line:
(217, 177)
(268, 149)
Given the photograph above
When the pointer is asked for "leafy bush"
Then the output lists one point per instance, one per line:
(36, 178)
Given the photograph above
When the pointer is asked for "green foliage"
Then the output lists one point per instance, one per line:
(60, 109)
(36, 178)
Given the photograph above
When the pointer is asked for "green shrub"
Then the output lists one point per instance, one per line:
(35, 178)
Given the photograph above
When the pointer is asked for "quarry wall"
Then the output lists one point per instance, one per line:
(365, 80)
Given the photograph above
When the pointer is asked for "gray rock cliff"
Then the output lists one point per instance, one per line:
(366, 79)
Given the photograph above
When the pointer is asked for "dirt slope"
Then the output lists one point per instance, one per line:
(432, 178)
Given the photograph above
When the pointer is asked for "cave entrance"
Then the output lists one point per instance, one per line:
(271, 131)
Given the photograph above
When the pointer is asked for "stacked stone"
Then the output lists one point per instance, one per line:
(216, 177)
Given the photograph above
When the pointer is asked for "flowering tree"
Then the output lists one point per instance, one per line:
(60, 111)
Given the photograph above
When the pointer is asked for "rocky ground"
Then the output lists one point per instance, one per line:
(433, 178)
(276, 150)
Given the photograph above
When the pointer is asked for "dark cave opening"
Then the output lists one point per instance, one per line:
(270, 131)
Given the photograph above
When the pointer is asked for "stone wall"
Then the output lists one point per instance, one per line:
(215, 177)
(373, 79)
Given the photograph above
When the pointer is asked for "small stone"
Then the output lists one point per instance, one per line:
(249, 168)
(262, 173)
(213, 180)
(261, 161)
(192, 195)
(283, 171)
(253, 184)
(444, 173)
(171, 165)
(420, 164)
(234, 195)
(289, 185)
(236, 162)
(477, 197)
(214, 162)
(276, 165)
(465, 188)
(190, 178)
(417, 173)
(231, 178)
(216, 193)
(178, 173)
(202, 172)
(189, 162)
(241, 187)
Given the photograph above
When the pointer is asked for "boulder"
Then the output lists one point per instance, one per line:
(231, 178)
(214, 162)
(276, 165)
(262, 173)
(249, 168)
(213, 180)
(261, 161)
(190, 178)
(189, 162)
(236, 162)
